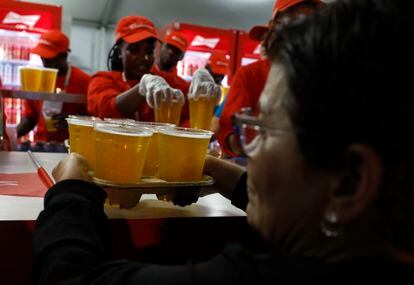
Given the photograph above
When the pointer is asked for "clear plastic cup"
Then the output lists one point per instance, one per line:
(201, 112)
(81, 137)
(182, 153)
(168, 113)
(119, 120)
(151, 162)
(120, 152)
(48, 82)
(30, 78)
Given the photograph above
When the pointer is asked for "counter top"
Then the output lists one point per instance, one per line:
(59, 97)
(28, 208)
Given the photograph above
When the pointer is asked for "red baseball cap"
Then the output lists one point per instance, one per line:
(257, 32)
(134, 29)
(177, 39)
(219, 63)
(51, 44)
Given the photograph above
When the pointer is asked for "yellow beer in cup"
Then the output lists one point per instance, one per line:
(182, 153)
(168, 113)
(201, 112)
(81, 137)
(151, 161)
(22, 70)
(48, 83)
(120, 152)
(30, 78)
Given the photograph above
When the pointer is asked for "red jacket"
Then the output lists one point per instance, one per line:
(32, 109)
(105, 86)
(5, 137)
(245, 90)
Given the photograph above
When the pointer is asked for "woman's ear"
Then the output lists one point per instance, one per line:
(358, 186)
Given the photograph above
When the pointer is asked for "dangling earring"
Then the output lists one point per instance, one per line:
(329, 225)
(146, 57)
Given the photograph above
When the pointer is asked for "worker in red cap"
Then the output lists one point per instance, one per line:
(53, 48)
(249, 80)
(133, 87)
(172, 50)
(218, 66)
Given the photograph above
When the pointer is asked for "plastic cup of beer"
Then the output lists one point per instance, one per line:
(119, 120)
(182, 152)
(120, 152)
(168, 112)
(48, 83)
(151, 161)
(81, 137)
(22, 70)
(201, 112)
(30, 78)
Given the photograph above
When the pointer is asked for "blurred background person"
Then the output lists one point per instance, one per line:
(49, 117)
(218, 66)
(249, 80)
(328, 187)
(172, 50)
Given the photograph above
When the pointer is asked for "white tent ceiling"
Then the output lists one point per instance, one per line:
(237, 14)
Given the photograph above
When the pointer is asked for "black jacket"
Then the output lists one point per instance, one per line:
(71, 246)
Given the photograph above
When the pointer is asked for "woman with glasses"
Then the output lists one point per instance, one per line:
(330, 160)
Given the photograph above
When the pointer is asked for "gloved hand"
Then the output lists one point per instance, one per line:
(156, 89)
(203, 84)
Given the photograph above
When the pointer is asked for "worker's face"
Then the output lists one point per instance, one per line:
(286, 195)
(137, 58)
(170, 55)
(218, 78)
(59, 62)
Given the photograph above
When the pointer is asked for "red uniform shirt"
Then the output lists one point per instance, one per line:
(245, 90)
(4, 132)
(32, 109)
(105, 86)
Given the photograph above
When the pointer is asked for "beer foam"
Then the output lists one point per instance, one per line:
(81, 122)
(118, 120)
(155, 127)
(84, 118)
(49, 69)
(187, 133)
(123, 130)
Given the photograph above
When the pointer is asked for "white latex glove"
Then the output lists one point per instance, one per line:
(156, 89)
(203, 84)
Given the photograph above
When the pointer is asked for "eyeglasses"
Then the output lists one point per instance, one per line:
(250, 130)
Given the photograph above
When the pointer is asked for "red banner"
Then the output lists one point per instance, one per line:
(23, 16)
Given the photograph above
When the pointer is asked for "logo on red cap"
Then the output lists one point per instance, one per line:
(51, 44)
(134, 29)
(177, 39)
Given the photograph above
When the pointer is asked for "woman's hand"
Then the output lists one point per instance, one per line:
(226, 174)
(73, 166)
